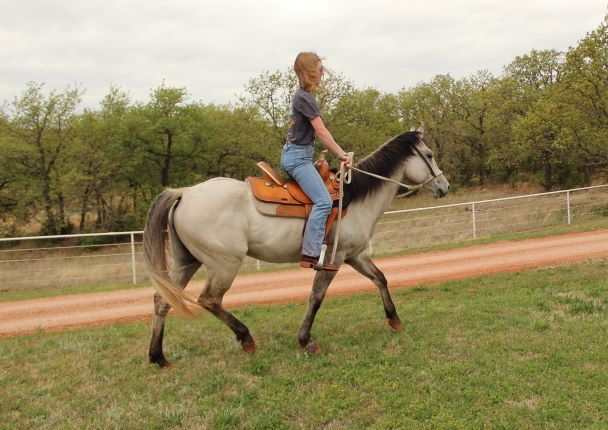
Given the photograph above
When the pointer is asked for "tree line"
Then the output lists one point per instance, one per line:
(66, 169)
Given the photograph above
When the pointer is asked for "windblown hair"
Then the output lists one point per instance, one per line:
(384, 162)
(307, 70)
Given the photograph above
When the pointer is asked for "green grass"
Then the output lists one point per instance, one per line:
(520, 350)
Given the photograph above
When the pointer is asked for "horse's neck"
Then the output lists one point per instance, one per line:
(370, 209)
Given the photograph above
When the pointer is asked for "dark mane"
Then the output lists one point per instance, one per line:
(384, 161)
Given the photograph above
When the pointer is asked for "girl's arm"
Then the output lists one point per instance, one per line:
(327, 139)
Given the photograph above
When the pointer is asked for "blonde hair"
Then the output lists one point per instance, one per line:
(307, 70)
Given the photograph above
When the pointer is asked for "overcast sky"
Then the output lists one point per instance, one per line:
(214, 47)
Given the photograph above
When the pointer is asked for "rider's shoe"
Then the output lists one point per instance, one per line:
(312, 263)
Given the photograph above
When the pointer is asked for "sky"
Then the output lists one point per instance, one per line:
(213, 48)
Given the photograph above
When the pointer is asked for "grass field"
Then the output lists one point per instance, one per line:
(524, 350)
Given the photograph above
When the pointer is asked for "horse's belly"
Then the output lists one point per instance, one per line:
(274, 239)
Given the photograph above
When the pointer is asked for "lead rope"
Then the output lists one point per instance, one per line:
(345, 176)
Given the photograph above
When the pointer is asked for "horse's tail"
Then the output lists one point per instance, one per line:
(155, 256)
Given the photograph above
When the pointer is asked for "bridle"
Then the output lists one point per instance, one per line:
(431, 170)
(411, 188)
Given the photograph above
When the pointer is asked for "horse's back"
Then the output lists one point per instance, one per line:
(208, 217)
(217, 194)
(214, 201)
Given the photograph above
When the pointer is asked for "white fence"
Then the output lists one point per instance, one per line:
(103, 258)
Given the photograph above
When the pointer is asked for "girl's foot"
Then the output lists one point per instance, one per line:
(312, 263)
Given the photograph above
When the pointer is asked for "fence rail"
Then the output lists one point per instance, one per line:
(65, 260)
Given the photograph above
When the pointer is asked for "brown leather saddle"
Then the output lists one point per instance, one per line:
(277, 196)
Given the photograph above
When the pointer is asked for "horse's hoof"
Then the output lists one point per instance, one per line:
(161, 362)
(248, 346)
(311, 348)
(396, 324)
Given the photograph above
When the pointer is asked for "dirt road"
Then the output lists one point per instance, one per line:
(82, 310)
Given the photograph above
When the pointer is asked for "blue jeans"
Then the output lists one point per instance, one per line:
(296, 160)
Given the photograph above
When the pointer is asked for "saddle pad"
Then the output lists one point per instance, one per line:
(282, 210)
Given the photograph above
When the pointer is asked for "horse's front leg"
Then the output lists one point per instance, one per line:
(319, 288)
(364, 265)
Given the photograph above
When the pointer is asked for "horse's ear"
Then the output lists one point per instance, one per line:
(421, 128)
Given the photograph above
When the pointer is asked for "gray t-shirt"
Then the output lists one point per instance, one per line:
(303, 109)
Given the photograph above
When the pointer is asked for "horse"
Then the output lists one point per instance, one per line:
(216, 223)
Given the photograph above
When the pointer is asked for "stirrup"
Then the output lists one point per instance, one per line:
(318, 263)
(311, 265)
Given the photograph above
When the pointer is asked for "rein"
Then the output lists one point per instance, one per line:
(345, 176)
(411, 188)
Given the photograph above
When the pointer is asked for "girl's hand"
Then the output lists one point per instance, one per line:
(344, 157)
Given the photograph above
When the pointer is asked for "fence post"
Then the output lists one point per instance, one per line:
(474, 221)
(133, 258)
(568, 205)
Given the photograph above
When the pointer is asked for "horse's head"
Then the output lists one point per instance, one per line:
(421, 168)
(404, 158)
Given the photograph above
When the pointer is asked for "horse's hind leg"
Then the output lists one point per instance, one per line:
(364, 265)
(180, 274)
(218, 282)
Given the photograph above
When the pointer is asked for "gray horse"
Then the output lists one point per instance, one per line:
(215, 223)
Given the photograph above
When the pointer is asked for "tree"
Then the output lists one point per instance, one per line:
(564, 131)
(167, 133)
(270, 94)
(471, 103)
(364, 119)
(43, 127)
(538, 70)
(432, 103)
(237, 138)
(12, 181)
(584, 97)
(100, 162)
(456, 114)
